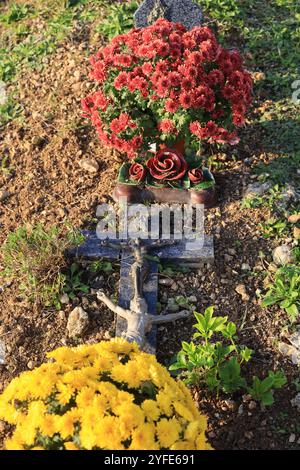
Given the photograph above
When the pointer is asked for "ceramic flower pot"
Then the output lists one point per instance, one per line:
(183, 192)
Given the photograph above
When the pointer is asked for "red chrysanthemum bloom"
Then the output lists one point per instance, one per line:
(166, 126)
(163, 70)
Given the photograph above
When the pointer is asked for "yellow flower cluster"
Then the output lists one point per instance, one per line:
(104, 396)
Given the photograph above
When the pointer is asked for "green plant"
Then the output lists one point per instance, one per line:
(119, 19)
(285, 290)
(262, 390)
(16, 12)
(216, 364)
(33, 256)
(101, 265)
(274, 228)
(73, 283)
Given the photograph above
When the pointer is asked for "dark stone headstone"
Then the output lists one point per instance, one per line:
(178, 11)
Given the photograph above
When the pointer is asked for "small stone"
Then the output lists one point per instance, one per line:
(4, 195)
(231, 251)
(294, 218)
(240, 409)
(61, 315)
(31, 365)
(290, 351)
(193, 299)
(77, 322)
(241, 290)
(283, 255)
(252, 405)
(231, 405)
(174, 286)
(246, 267)
(296, 401)
(64, 299)
(228, 258)
(256, 189)
(89, 165)
(249, 435)
(165, 282)
(107, 335)
(292, 438)
(296, 232)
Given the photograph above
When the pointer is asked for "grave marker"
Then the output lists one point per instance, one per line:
(185, 12)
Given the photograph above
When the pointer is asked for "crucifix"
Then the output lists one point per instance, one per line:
(136, 311)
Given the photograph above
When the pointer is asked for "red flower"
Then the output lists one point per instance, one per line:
(155, 71)
(137, 172)
(167, 165)
(185, 100)
(196, 175)
(166, 126)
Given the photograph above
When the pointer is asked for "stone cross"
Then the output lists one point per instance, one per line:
(185, 12)
(137, 316)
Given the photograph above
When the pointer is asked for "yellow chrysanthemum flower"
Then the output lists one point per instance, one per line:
(167, 432)
(151, 410)
(143, 438)
(104, 396)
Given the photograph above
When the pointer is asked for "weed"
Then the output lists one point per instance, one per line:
(217, 364)
(262, 390)
(16, 12)
(73, 281)
(119, 19)
(284, 290)
(33, 256)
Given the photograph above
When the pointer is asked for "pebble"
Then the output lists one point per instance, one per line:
(241, 290)
(252, 405)
(192, 298)
(296, 233)
(61, 315)
(246, 267)
(4, 195)
(89, 165)
(240, 409)
(174, 286)
(77, 322)
(31, 365)
(249, 435)
(165, 282)
(283, 255)
(228, 258)
(256, 189)
(64, 299)
(292, 438)
(294, 218)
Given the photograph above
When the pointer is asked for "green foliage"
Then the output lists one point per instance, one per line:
(262, 390)
(73, 281)
(269, 199)
(34, 258)
(16, 12)
(284, 290)
(101, 265)
(119, 19)
(215, 364)
(274, 228)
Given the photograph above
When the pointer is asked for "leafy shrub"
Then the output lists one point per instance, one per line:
(34, 257)
(285, 290)
(262, 390)
(217, 364)
(104, 396)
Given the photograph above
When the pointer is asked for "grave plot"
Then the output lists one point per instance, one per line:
(55, 170)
